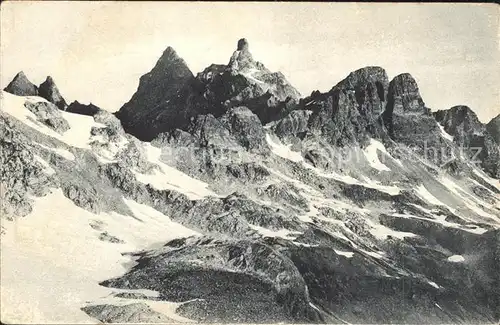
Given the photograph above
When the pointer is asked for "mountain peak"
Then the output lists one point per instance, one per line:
(169, 54)
(50, 92)
(21, 86)
(404, 95)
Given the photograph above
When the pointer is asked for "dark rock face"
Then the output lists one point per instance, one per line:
(78, 108)
(242, 45)
(295, 124)
(472, 137)
(83, 197)
(493, 127)
(21, 86)
(50, 92)
(159, 102)
(246, 128)
(169, 96)
(242, 58)
(351, 110)
(410, 122)
(404, 103)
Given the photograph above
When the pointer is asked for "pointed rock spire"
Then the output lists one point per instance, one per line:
(50, 92)
(160, 92)
(406, 110)
(21, 86)
(404, 95)
(493, 128)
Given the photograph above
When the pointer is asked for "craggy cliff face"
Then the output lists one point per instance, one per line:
(226, 197)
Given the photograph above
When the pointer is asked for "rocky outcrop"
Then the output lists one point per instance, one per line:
(21, 175)
(410, 122)
(266, 94)
(48, 114)
(472, 137)
(83, 197)
(21, 86)
(493, 127)
(137, 312)
(295, 124)
(78, 108)
(242, 59)
(50, 92)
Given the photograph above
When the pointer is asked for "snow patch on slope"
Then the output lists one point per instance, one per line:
(456, 258)
(52, 260)
(47, 169)
(382, 232)
(171, 178)
(80, 125)
(371, 155)
(59, 151)
(283, 233)
(346, 254)
(487, 179)
(426, 195)
(462, 194)
(282, 150)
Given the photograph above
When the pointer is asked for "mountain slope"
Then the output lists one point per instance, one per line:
(328, 210)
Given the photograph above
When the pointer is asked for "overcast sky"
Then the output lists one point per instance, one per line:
(96, 52)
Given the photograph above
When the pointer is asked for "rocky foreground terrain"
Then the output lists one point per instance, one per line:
(226, 196)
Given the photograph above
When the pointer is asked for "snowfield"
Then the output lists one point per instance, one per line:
(53, 257)
(80, 125)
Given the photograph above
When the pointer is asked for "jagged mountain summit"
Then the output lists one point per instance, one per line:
(170, 95)
(21, 86)
(50, 92)
(224, 197)
(472, 136)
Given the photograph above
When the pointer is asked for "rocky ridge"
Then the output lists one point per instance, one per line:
(170, 95)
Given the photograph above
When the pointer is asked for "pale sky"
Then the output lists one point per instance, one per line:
(96, 52)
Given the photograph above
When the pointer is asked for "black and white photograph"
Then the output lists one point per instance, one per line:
(249, 162)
